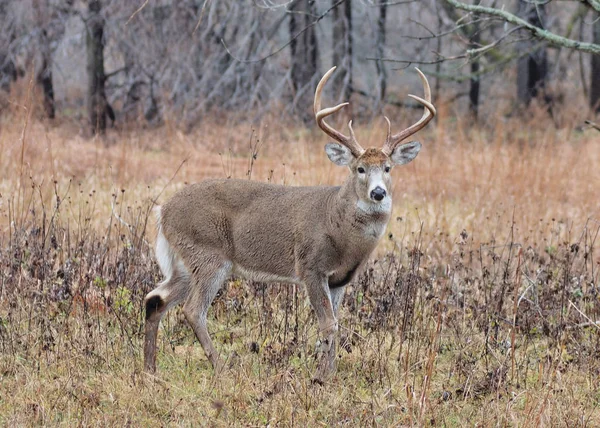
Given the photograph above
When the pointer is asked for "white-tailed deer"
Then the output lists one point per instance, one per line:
(317, 236)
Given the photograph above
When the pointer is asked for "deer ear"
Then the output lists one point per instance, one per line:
(338, 154)
(405, 153)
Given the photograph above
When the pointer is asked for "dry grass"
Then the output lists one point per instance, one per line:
(476, 310)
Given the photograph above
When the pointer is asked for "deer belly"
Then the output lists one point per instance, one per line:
(263, 252)
(260, 276)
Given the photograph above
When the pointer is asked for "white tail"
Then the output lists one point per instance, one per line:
(164, 253)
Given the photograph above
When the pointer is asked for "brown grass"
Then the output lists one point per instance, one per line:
(477, 309)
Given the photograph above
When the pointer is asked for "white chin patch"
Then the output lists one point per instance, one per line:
(385, 206)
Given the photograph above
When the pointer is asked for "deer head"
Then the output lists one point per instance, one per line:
(370, 169)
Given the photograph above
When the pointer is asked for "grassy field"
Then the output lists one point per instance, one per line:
(480, 306)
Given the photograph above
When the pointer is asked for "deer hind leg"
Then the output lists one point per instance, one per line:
(169, 293)
(173, 290)
(209, 274)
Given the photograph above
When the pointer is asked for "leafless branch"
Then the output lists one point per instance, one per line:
(276, 51)
(138, 10)
(593, 125)
(538, 32)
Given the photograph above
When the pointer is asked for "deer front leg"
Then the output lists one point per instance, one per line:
(337, 295)
(320, 299)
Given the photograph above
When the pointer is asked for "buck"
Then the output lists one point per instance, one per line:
(316, 236)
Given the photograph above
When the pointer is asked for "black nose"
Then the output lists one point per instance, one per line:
(378, 194)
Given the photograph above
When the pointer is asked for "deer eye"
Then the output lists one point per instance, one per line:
(387, 169)
(361, 170)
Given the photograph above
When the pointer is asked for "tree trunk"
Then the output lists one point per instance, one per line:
(347, 93)
(474, 88)
(44, 76)
(8, 71)
(337, 48)
(472, 33)
(304, 55)
(595, 70)
(342, 48)
(95, 68)
(532, 69)
(438, 66)
(44, 67)
(380, 42)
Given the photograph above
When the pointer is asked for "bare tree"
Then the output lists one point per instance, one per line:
(304, 54)
(342, 46)
(181, 59)
(97, 105)
(337, 37)
(533, 33)
(471, 32)
(536, 31)
(532, 69)
(44, 76)
(8, 70)
(595, 68)
(44, 68)
(380, 44)
(474, 43)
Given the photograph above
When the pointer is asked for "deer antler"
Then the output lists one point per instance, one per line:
(393, 140)
(320, 115)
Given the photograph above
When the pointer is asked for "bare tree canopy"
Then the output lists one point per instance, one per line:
(149, 62)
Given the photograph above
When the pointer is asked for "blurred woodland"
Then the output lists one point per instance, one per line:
(114, 63)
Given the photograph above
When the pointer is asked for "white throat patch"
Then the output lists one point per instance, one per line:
(375, 229)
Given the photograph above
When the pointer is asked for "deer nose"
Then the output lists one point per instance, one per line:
(377, 194)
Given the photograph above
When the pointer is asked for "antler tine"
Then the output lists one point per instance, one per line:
(428, 114)
(320, 115)
(389, 131)
(352, 136)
